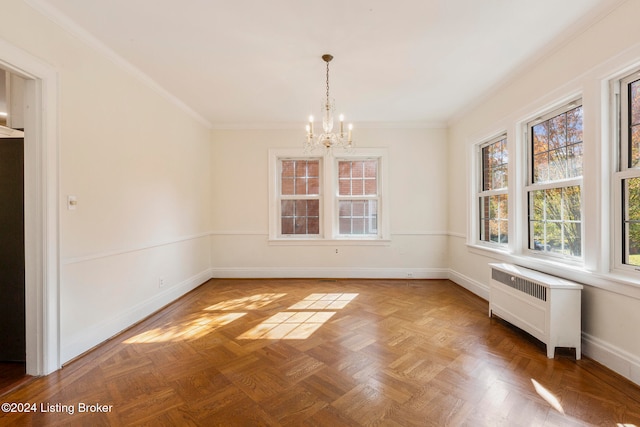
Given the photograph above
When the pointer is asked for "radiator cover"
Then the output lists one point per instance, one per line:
(545, 306)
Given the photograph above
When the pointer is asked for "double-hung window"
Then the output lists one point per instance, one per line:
(554, 187)
(327, 197)
(357, 197)
(628, 175)
(492, 196)
(299, 196)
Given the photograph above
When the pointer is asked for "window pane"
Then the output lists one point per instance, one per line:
(574, 125)
(287, 225)
(287, 207)
(486, 168)
(541, 167)
(500, 177)
(557, 132)
(370, 187)
(557, 164)
(300, 216)
(540, 138)
(504, 231)
(557, 147)
(358, 216)
(634, 102)
(556, 221)
(572, 239)
(357, 187)
(493, 207)
(494, 165)
(537, 200)
(357, 169)
(571, 204)
(300, 177)
(553, 204)
(494, 215)
(633, 236)
(288, 186)
(371, 169)
(301, 185)
(288, 168)
(357, 178)
(574, 161)
(635, 146)
(631, 220)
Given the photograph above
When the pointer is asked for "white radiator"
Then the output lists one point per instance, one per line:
(547, 307)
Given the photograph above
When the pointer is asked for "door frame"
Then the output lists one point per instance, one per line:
(41, 204)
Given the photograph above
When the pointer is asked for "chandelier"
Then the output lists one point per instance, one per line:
(328, 138)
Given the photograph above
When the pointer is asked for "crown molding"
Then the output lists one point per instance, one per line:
(300, 125)
(84, 36)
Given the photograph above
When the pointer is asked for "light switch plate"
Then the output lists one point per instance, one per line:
(72, 203)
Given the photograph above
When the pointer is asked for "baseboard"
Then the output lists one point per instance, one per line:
(614, 358)
(103, 331)
(342, 273)
(478, 288)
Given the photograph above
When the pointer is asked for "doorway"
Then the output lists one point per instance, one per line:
(12, 233)
(12, 291)
(41, 225)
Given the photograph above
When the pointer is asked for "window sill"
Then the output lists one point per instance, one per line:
(614, 281)
(374, 241)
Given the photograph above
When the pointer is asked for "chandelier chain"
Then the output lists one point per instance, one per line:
(328, 84)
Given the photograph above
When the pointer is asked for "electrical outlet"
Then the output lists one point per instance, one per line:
(161, 282)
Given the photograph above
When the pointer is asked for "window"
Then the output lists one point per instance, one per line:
(628, 176)
(492, 196)
(555, 182)
(299, 197)
(315, 198)
(358, 197)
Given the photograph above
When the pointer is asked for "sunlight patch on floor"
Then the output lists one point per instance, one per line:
(299, 325)
(188, 331)
(334, 301)
(548, 396)
(253, 302)
(289, 325)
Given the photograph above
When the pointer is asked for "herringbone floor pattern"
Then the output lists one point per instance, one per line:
(329, 353)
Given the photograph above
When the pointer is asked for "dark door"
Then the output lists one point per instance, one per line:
(12, 299)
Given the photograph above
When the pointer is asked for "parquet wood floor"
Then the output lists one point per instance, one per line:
(328, 353)
(11, 375)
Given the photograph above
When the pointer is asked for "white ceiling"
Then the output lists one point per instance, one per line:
(257, 62)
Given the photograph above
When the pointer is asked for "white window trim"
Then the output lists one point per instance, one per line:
(621, 171)
(480, 193)
(529, 187)
(328, 198)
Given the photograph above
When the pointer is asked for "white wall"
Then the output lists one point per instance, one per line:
(611, 305)
(152, 182)
(417, 197)
(139, 167)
